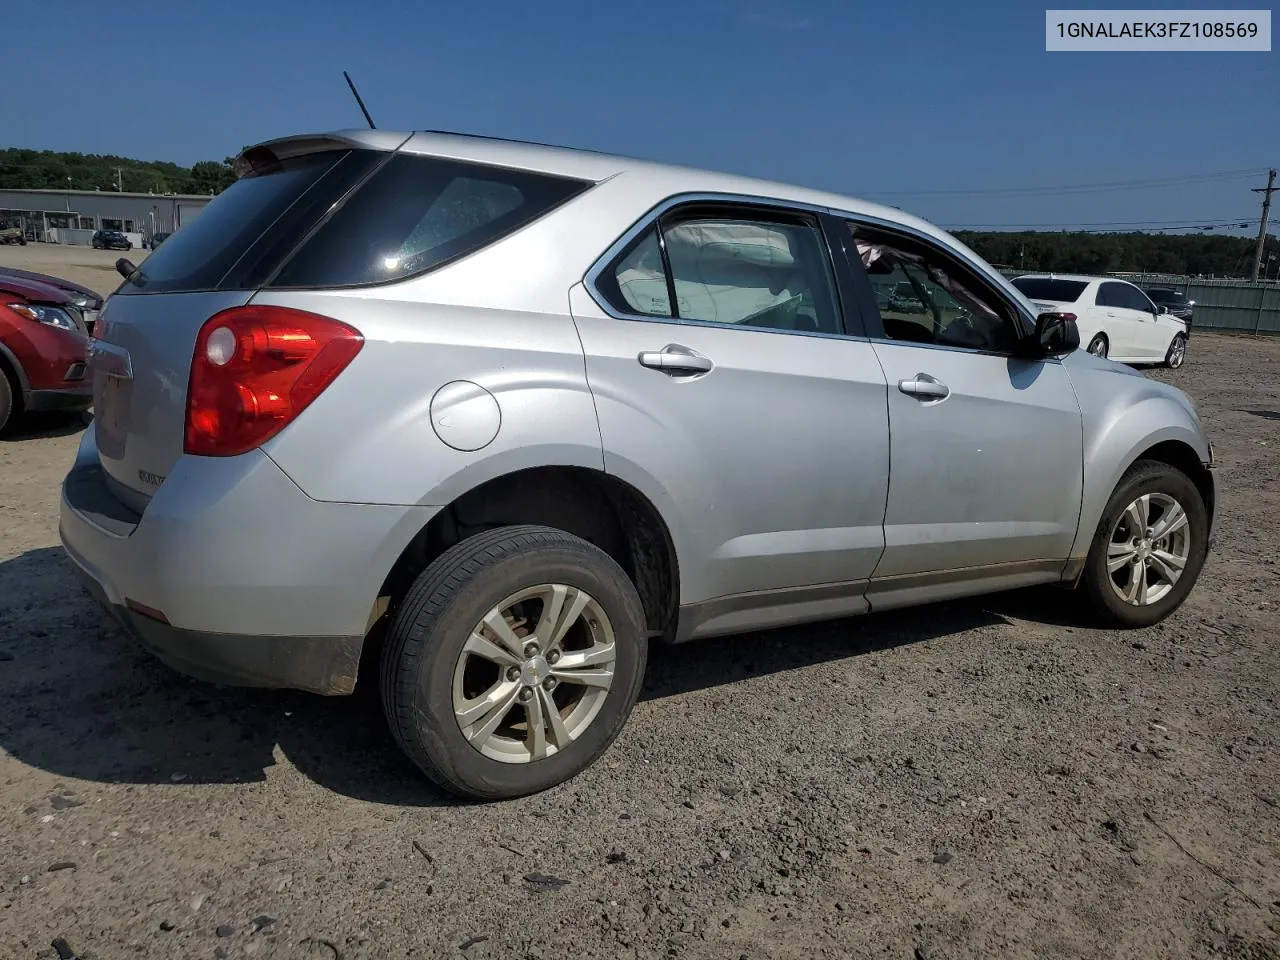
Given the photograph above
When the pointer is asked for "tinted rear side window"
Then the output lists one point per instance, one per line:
(1048, 288)
(198, 256)
(417, 213)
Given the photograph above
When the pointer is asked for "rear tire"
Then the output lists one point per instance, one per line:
(441, 634)
(1099, 346)
(1176, 355)
(1144, 550)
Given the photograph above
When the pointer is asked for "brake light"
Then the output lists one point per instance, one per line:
(255, 369)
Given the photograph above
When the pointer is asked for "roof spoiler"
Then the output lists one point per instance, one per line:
(266, 156)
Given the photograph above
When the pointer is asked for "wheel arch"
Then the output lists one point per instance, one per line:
(589, 503)
(10, 367)
(1183, 456)
(1178, 443)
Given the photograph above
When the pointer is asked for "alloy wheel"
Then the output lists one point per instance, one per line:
(1148, 549)
(534, 673)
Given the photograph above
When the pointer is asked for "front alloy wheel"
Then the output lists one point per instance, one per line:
(1149, 547)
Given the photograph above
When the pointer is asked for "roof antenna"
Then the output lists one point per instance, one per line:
(356, 94)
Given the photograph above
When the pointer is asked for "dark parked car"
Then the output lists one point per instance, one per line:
(1176, 303)
(111, 240)
(159, 238)
(43, 341)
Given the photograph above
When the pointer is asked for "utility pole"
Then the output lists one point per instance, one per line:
(119, 182)
(1266, 192)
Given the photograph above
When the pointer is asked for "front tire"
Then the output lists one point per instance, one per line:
(1149, 548)
(1099, 347)
(8, 406)
(513, 662)
(1177, 352)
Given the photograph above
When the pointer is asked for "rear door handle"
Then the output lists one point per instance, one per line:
(675, 360)
(924, 387)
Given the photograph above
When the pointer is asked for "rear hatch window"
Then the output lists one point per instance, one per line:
(410, 214)
(247, 229)
(1050, 288)
(418, 213)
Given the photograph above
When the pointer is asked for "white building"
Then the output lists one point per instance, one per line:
(71, 216)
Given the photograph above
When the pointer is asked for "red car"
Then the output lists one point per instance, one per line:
(43, 340)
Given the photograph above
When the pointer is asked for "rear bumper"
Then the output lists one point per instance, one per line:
(248, 581)
(324, 665)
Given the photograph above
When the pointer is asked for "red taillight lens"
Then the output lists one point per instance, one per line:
(255, 369)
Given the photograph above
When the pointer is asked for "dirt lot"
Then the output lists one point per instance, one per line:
(96, 269)
(979, 779)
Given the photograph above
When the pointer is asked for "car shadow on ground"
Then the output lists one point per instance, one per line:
(79, 699)
(35, 426)
(1265, 414)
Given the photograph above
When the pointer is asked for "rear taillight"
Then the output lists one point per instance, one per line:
(255, 369)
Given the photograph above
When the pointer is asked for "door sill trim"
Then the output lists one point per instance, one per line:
(767, 609)
(910, 589)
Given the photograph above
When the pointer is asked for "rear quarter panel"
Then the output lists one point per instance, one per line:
(371, 437)
(500, 319)
(1124, 414)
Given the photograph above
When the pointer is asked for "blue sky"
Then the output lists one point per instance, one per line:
(889, 100)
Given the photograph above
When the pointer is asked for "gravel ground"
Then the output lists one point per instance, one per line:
(977, 779)
(94, 268)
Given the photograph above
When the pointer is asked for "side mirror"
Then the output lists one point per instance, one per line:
(1056, 334)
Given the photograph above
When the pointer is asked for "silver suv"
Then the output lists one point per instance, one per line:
(490, 416)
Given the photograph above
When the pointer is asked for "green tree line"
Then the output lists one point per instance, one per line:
(54, 170)
(1191, 254)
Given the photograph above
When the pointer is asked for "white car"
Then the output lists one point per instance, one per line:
(1115, 318)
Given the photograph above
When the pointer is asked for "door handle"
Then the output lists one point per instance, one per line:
(675, 360)
(924, 387)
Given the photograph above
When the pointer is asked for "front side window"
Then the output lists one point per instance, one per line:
(923, 298)
(1135, 299)
(737, 271)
